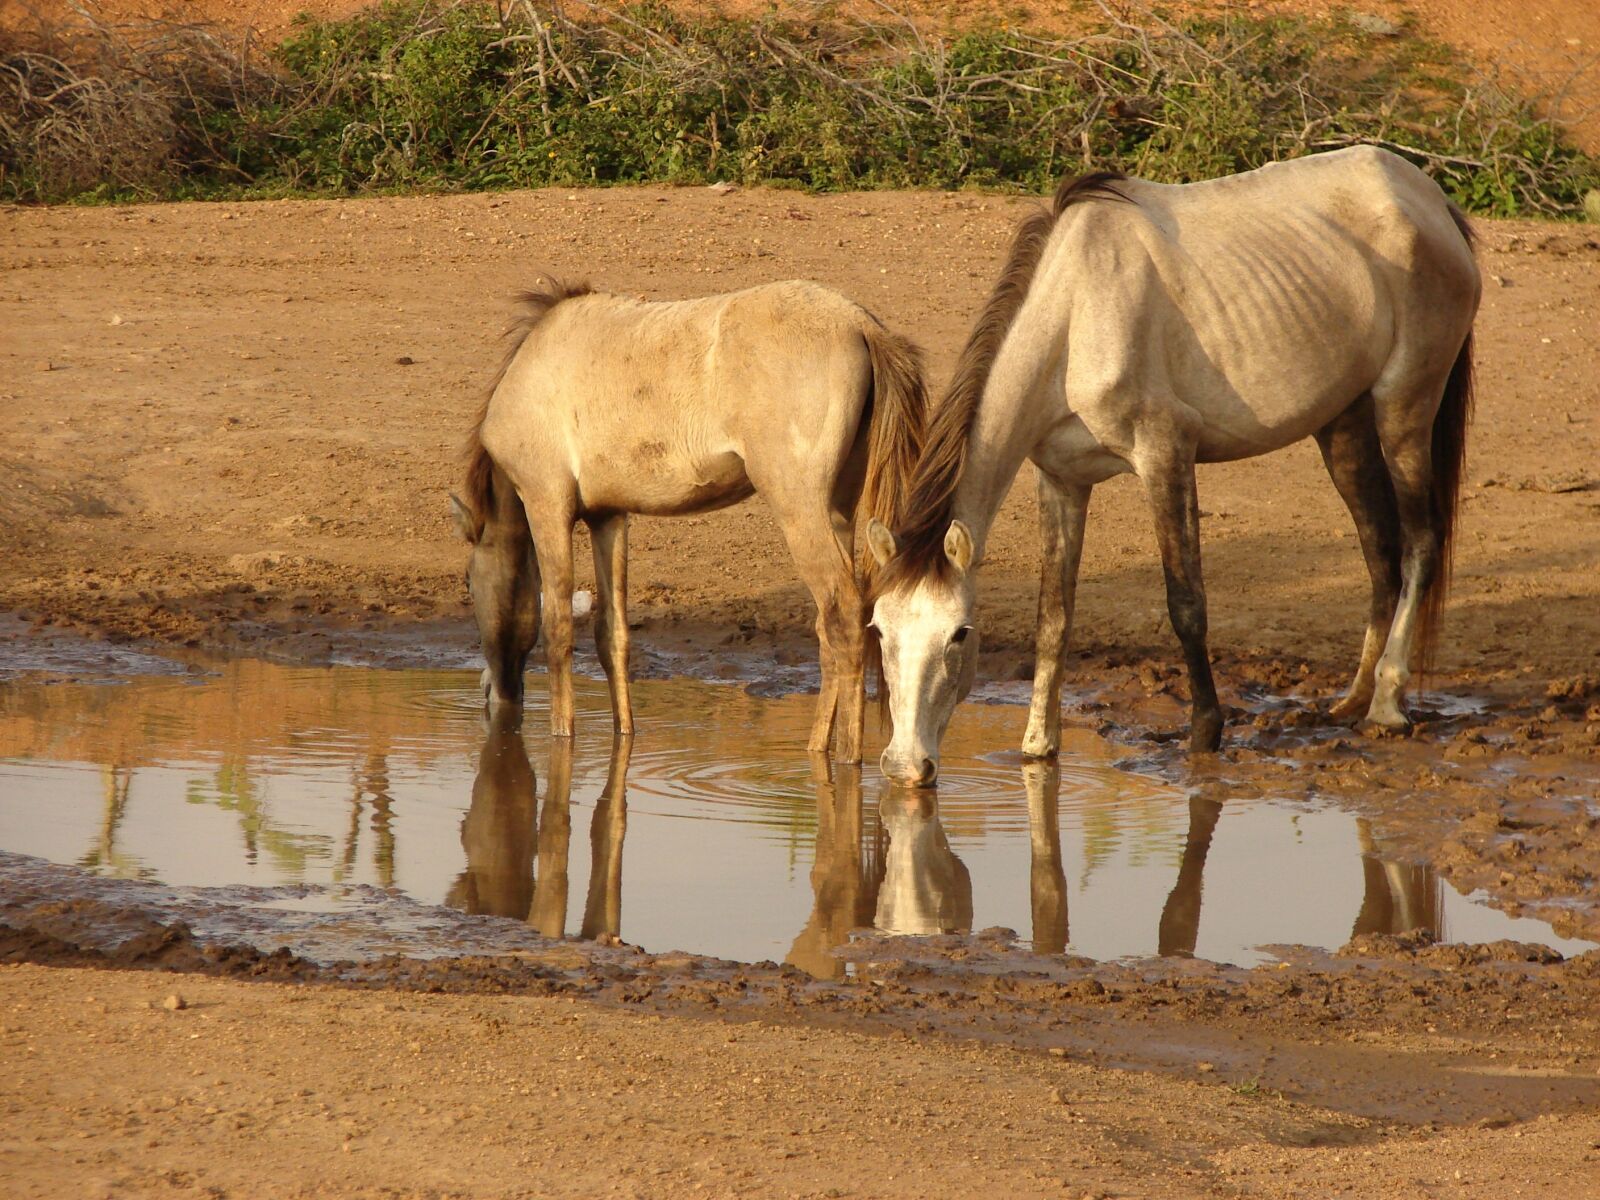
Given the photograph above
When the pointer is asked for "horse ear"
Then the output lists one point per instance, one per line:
(881, 541)
(461, 517)
(958, 546)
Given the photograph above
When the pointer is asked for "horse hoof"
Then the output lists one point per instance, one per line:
(1385, 729)
(1387, 719)
(1349, 710)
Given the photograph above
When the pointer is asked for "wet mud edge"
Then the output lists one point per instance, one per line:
(1391, 1029)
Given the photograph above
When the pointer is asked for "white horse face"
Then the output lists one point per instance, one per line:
(930, 655)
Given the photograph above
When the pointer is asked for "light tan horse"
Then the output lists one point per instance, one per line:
(607, 406)
(1146, 328)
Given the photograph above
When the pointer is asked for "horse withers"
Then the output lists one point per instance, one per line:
(1146, 328)
(607, 406)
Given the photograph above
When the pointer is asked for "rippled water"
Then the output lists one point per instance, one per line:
(712, 832)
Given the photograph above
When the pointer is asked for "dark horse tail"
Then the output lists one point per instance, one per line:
(1449, 465)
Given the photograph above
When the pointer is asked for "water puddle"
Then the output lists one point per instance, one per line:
(317, 795)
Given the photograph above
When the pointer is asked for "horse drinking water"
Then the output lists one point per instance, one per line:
(1145, 328)
(607, 406)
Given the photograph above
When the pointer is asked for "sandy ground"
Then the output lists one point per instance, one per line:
(267, 1089)
(218, 421)
(234, 425)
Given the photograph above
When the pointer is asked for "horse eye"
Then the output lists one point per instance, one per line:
(960, 635)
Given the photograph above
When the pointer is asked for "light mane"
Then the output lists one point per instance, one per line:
(930, 490)
(532, 308)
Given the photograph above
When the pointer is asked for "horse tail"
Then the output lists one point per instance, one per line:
(1449, 452)
(898, 416)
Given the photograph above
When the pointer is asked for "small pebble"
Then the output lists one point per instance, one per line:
(405, 360)
(1056, 1097)
(1058, 1051)
(1205, 1068)
(174, 1002)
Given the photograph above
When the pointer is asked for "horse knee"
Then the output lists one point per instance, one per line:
(1052, 630)
(838, 629)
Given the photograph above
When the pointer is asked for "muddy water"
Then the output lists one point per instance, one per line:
(713, 832)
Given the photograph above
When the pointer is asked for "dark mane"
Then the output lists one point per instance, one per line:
(931, 489)
(532, 307)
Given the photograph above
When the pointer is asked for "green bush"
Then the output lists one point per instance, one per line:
(421, 94)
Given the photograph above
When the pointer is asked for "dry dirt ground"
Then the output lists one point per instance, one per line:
(227, 424)
(221, 420)
(265, 1090)
(259, 1089)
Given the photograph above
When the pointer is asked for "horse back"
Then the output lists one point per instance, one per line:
(1265, 302)
(658, 407)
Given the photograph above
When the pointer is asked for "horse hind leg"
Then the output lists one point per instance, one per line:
(1405, 429)
(609, 536)
(1354, 458)
(822, 555)
(1175, 504)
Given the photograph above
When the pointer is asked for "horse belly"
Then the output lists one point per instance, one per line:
(1240, 428)
(651, 480)
(1264, 388)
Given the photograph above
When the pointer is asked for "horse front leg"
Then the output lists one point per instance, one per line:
(610, 539)
(1176, 506)
(553, 538)
(1062, 513)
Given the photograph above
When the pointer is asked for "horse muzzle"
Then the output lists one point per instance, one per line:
(915, 770)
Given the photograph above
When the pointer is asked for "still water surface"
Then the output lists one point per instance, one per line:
(712, 832)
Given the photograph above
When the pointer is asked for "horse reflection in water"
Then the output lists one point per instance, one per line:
(845, 876)
(498, 831)
(902, 876)
(892, 868)
(1397, 897)
(502, 837)
(926, 888)
(1047, 878)
(1179, 929)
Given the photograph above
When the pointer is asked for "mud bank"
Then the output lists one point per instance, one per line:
(1317, 1029)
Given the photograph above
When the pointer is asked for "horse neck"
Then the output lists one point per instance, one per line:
(1007, 427)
